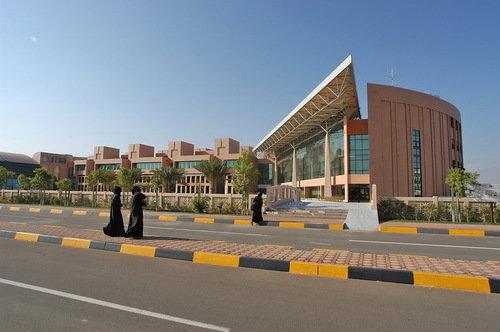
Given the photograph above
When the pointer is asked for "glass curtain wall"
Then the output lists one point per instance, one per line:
(311, 160)
(337, 151)
(265, 173)
(285, 169)
(359, 162)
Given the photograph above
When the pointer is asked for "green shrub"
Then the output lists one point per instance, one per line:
(200, 203)
(497, 215)
(443, 212)
(54, 201)
(485, 214)
(429, 211)
(390, 209)
(470, 214)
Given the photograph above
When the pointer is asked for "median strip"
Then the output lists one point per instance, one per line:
(475, 283)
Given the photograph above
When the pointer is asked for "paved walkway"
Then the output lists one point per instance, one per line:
(490, 269)
(317, 219)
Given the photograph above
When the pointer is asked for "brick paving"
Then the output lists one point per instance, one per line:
(489, 269)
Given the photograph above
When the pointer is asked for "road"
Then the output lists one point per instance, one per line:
(472, 248)
(234, 299)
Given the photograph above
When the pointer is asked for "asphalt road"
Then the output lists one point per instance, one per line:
(90, 290)
(473, 248)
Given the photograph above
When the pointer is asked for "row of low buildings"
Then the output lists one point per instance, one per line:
(179, 154)
(323, 146)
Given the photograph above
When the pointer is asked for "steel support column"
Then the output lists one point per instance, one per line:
(328, 173)
(346, 161)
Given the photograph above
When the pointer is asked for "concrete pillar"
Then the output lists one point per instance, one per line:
(373, 194)
(346, 161)
(294, 168)
(275, 172)
(328, 166)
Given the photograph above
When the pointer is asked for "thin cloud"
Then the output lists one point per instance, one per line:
(34, 39)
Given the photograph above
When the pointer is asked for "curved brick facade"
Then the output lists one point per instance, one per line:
(395, 115)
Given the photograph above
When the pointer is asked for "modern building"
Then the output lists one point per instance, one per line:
(405, 147)
(19, 164)
(180, 155)
(60, 165)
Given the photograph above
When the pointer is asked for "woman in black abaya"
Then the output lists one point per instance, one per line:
(115, 226)
(257, 209)
(136, 221)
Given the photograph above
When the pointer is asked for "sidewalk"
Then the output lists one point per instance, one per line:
(419, 270)
(270, 219)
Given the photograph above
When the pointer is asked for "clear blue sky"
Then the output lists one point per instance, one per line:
(78, 74)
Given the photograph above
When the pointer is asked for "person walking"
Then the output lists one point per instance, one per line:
(115, 225)
(257, 209)
(136, 220)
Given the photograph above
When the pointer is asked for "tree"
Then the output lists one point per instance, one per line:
(106, 177)
(5, 174)
(245, 176)
(459, 181)
(214, 171)
(24, 182)
(41, 181)
(156, 183)
(92, 183)
(127, 178)
(168, 175)
(64, 186)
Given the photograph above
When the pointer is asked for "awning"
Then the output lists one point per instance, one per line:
(333, 98)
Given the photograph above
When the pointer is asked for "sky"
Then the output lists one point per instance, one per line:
(77, 74)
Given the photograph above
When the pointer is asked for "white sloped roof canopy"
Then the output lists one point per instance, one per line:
(333, 98)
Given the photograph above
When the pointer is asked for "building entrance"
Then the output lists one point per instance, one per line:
(359, 193)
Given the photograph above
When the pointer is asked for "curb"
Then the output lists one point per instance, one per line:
(417, 278)
(442, 231)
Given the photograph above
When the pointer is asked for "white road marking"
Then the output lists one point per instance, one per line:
(320, 243)
(426, 245)
(115, 306)
(204, 231)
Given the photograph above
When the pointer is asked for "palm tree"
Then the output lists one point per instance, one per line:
(107, 177)
(93, 180)
(127, 178)
(168, 175)
(156, 184)
(214, 171)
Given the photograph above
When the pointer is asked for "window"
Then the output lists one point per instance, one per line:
(337, 152)
(80, 168)
(285, 169)
(359, 162)
(186, 164)
(265, 174)
(417, 163)
(147, 166)
(231, 163)
(310, 159)
(112, 167)
(452, 123)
